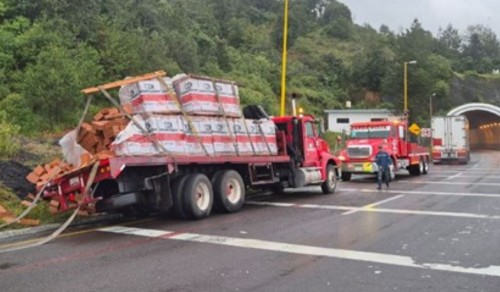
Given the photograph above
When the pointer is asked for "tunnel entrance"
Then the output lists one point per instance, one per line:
(484, 123)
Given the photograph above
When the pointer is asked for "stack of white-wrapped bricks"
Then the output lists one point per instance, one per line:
(169, 114)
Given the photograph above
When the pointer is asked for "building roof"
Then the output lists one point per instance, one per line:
(360, 111)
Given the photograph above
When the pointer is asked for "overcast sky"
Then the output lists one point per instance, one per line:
(432, 14)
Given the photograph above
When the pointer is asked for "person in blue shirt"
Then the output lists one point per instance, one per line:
(383, 161)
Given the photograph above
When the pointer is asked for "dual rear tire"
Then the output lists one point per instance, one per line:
(195, 195)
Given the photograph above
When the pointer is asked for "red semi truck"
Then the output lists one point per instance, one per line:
(190, 185)
(358, 157)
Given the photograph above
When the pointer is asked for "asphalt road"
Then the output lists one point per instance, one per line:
(439, 232)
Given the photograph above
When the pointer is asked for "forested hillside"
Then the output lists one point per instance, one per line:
(50, 49)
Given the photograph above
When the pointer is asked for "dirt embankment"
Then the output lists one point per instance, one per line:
(13, 175)
(34, 151)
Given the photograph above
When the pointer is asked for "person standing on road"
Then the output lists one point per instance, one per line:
(383, 161)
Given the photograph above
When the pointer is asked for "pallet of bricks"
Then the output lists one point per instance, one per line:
(169, 112)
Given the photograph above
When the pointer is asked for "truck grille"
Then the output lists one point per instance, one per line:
(359, 151)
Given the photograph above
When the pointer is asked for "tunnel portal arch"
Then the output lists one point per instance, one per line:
(484, 123)
(475, 107)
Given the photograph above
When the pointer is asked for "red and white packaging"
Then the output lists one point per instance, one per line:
(263, 136)
(149, 97)
(167, 130)
(269, 129)
(244, 143)
(197, 96)
(203, 127)
(229, 99)
(223, 140)
(131, 141)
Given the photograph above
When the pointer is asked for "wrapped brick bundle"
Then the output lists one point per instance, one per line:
(244, 143)
(167, 130)
(224, 141)
(202, 96)
(203, 126)
(149, 97)
(263, 136)
(229, 99)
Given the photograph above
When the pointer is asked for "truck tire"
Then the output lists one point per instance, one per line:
(416, 169)
(329, 185)
(229, 192)
(198, 196)
(392, 173)
(177, 197)
(346, 176)
(426, 166)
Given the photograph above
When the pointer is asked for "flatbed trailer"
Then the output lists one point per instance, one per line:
(191, 185)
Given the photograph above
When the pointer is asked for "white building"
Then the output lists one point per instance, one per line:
(339, 120)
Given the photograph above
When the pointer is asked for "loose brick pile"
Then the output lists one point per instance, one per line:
(8, 217)
(95, 137)
(42, 173)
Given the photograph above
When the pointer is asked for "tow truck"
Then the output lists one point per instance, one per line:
(358, 157)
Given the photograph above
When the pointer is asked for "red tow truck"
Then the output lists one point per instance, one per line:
(190, 185)
(358, 157)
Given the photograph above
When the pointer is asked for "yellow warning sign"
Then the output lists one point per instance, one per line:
(415, 129)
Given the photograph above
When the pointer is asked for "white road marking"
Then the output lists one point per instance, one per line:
(374, 204)
(430, 193)
(381, 210)
(469, 176)
(447, 183)
(473, 170)
(380, 258)
(454, 176)
(136, 231)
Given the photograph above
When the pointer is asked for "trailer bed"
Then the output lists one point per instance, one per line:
(118, 163)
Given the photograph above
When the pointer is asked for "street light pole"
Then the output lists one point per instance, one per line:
(283, 60)
(405, 109)
(430, 122)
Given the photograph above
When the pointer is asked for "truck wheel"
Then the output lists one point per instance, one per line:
(426, 166)
(177, 197)
(416, 169)
(229, 192)
(198, 196)
(346, 176)
(329, 185)
(213, 178)
(392, 173)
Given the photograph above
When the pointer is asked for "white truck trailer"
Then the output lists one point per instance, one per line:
(450, 139)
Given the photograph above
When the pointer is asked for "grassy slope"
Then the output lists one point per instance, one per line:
(34, 151)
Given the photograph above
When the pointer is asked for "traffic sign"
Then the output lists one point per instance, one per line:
(425, 132)
(415, 129)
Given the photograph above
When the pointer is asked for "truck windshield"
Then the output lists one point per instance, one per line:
(370, 132)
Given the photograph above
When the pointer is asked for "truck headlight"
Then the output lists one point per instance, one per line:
(341, 158)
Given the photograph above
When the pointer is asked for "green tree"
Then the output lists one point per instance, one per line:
(17, 109)
(51, 85)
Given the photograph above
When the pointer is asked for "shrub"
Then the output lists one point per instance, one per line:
(9, 143)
